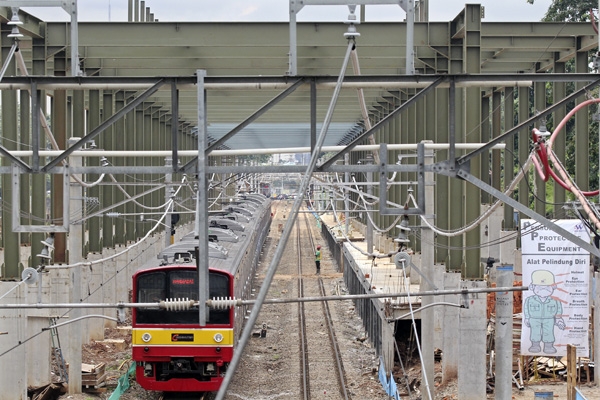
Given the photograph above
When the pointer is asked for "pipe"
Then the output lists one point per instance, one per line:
(238, 152)
(262, 85)
(238, 302)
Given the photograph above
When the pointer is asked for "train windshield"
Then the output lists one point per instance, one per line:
(178, 284)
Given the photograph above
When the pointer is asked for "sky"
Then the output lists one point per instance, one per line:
(277, 11)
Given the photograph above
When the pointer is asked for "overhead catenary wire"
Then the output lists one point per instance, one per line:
(222, 303)
(286, 231)
(473, 224)
(90, 263)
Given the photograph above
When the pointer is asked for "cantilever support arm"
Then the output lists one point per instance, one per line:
(100, 128)
(381, 123)
(461, 173)
(275, 100)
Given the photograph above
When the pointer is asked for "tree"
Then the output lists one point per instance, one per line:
(575, 11)
(569, 10)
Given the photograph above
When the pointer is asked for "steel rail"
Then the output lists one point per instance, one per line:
(304, 362)
(336, 352)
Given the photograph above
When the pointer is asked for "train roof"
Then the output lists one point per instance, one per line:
(233, 239)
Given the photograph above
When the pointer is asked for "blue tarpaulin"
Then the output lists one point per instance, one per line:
(382, 375)
(392, 390)
(388, 385)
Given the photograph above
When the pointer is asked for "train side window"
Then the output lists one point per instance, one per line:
(219, 287)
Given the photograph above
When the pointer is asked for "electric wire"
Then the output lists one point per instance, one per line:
(100, 287)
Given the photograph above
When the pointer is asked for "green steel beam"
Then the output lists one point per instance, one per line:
(472, 118)
(559, 91)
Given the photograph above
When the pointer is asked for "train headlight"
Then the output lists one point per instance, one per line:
(146, 337)
(218, 337)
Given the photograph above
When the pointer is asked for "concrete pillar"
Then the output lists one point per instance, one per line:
(38, 349)
(427, 261)
(508, 247)
(13, 380)
(109, 288)
(387, 345)
(450, 321)
(75, 246)
(503, 339)
(61, 293)
(85, 288)
(438, 316)
(96, 283)
(472, 344)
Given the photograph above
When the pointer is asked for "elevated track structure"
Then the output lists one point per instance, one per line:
(148, 107)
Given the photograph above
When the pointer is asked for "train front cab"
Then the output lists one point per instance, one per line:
(173, 353)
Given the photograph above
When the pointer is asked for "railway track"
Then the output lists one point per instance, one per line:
(299, 356)
(326, 354)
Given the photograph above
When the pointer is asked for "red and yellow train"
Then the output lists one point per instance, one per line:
(173, 353)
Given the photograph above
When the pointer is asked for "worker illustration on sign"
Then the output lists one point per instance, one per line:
(318, 259)
(542, 312)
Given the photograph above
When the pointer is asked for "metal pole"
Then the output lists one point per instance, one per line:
(74, 40)
(346, 194)
(202, 201)
(8, 59)
(504, 326)
(293, 56)
(168, 187)
(410, 37)
(369, 216)
(285, 235)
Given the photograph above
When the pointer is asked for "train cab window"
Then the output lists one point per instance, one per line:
(179, 285)
(151, 287)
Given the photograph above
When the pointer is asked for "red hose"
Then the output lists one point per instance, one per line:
(542, 151)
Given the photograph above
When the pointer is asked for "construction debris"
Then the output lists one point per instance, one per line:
(93, 377)
(51, 391)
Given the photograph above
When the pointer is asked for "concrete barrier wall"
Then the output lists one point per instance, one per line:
(106, 282)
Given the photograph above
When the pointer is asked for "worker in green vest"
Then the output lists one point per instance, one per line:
(318, 259)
